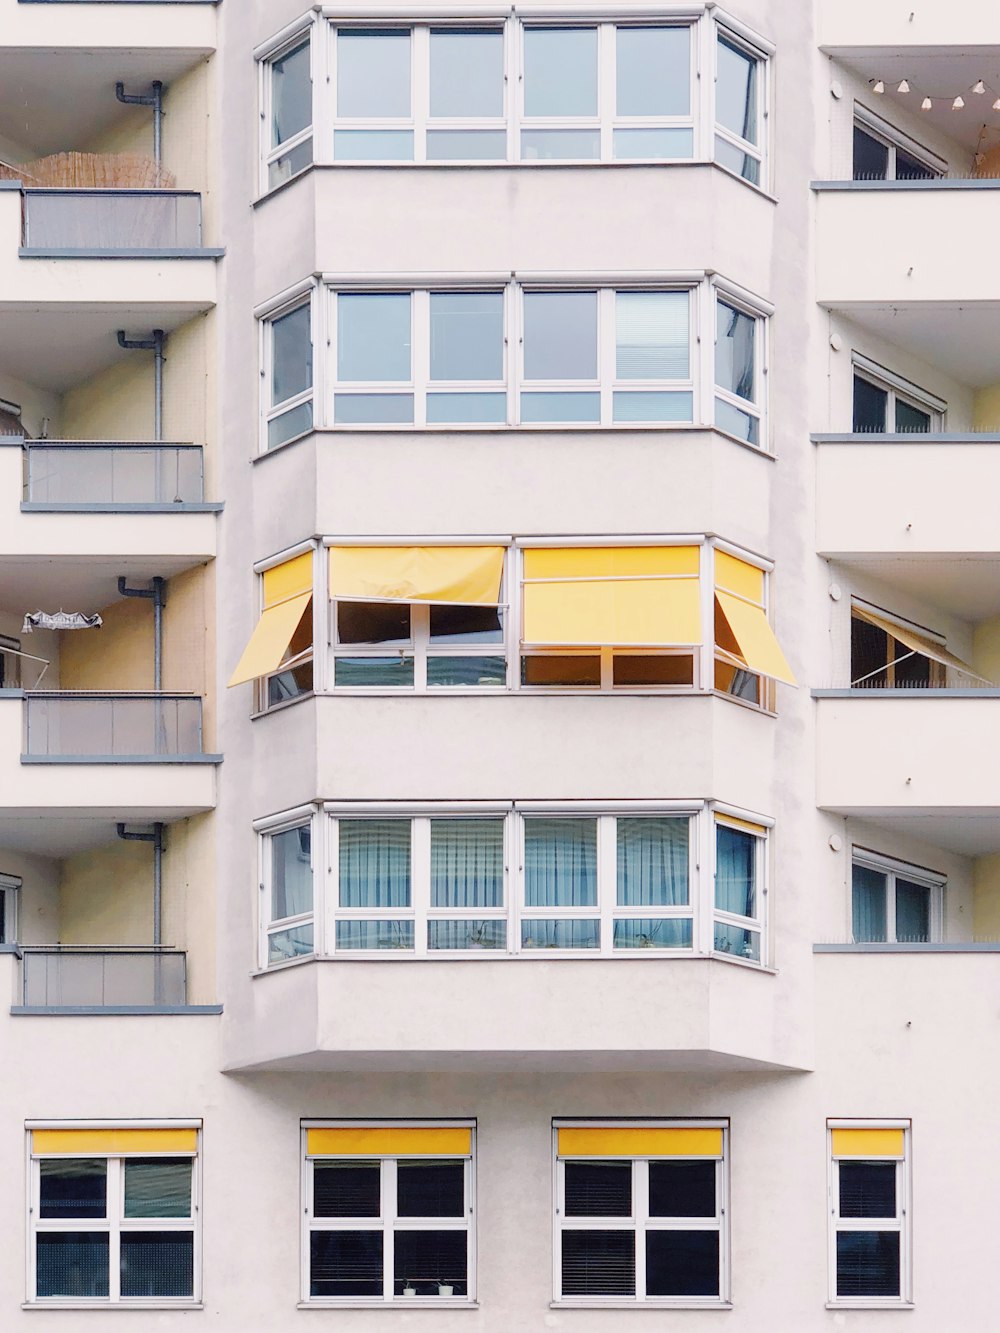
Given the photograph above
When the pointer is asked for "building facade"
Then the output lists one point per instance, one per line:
(499, 626)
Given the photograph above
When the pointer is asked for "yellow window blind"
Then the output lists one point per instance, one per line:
(290, 579)
(287, 595)
(744, 630)
(747, 825)
(917, 643)
(389, 1141)
(649, 1141)
(734, 575)
(455, 575)
(112, 1142)
(867, 1142)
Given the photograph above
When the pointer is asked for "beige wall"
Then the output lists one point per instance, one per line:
(106, 895)
(35, 404)
(986, 648)
(986, 415)
(986, 897)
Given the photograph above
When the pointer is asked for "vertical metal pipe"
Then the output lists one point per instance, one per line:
(157, 886)
(158, 339)
(158, 122)
(158, 600)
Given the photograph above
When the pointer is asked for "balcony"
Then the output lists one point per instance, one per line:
(894, 25)
(111, 223)
(95, 728)
(123, 27)
(110, 979)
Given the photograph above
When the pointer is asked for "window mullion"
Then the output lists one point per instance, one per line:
(511, 85)
(420, 881)
(420, 355)
(115, 1207)
(420, 104)
(607, 351)
(517, 877)
(707, 599)
(388, 1203)
(607, 93)
(890, 907)
(607, 876)
(640, 1211)
(420, 619)
(333, 881)
(705, 892)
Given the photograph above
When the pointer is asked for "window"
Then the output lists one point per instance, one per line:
(641, 1213)
(388, 1214)
(279, 656)
(288, 116)
(288, 358)
(870, 1214)
(10, 663)
(288, 906)
(738, 373)
(114, 1216)
(894, 902)
(739, 105)
(882, 154)
(883, 402)
(889, 653)
(9, 886)
(739, 889)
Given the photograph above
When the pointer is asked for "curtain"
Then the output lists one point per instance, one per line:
(374, 863)
(913, 912)
(466, 862)
(735, 871)
(291, 873)
(653, 862)
(560, 862)
(868, 904)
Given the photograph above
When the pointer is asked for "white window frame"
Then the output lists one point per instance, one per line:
(10, 886)
(757, 924)
(266, 58)
(114, 1224)
(899, 389)
(313, 395)
(894, 868)
(640, 1221)
(388, 1221)
(744, 303)
(901, 1223)
(893, 139)
(727, 29)
(937, 668)
(304, 817)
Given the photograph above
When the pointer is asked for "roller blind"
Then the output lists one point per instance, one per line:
(111, 1142)
(287, 594)
(739, 598)
(866, 1143)
(456, 575)
(652, 1141)
(652, 335)
(389, 1140)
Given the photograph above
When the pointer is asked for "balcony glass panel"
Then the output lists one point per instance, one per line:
(114, 474)
(61, 977)
(119, 220)
(106, 725)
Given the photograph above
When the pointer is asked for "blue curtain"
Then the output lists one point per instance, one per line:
(560, 862)
(653, 862)
(467, 862)
(735, 871)
(913, 912)
(374, 863)
(868, 904)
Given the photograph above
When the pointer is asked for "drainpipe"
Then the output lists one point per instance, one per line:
(158, 596)
(154, 343)
(153, 98)
(156, 838)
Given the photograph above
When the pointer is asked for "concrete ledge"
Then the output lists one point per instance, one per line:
(931, 437)
(120, 758)
(938, 183)
(31, 252)
(959, 947)
(113, 1010)
(164, 507)
(993, 693)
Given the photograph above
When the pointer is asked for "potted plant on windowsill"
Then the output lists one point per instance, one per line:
(409, 1289)
(445, 1288)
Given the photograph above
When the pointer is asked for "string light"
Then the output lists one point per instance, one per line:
(878, 87)
(979, 88)
(927, 104)
(958, 103)
(904, 87)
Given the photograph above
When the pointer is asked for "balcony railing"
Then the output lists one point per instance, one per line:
(112, 221)
(77, 977)
(93, 726)
(82, 474)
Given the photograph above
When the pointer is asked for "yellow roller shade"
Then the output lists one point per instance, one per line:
(917, 643)
(649, 1142)
(291, 579)
(730, 821)
(269, 641)
(754, 637)
(867, 1142)
(112, 1142)
(609, 562)
(389, 1141)
(456, 575)
(732, 575)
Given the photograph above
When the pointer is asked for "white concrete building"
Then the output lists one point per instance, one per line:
(499, 657)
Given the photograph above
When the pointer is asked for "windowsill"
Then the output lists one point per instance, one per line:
(892, 946)
(870, 1305)
(400, 1303)
(534, 692)
(480, 956)
(640, 1305)
(285, 703)
(107, 1306)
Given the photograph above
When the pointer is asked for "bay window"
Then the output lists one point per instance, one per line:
(739, 105)
(738, 370)
(288, 907)
(288, 114)
(288, 379)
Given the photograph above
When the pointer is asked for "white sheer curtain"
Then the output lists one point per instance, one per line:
(653, 862)
(467, 862)
(374, 863)
(560, 862)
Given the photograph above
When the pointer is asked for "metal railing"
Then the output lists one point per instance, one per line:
(115, 220)
(107, 726)
(85, 473)
(74, 976)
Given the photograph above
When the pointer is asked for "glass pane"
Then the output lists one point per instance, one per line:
(911, 169)
(465, 624)
(598, 1189)
(291, 94)
(871, 157)
(487, 409)
(869, 655)
(289, 424)
(466, 72)
(283, 168)
(157, 1263)
(741, 424)
(632, 669)
(870, 407)
(911, 420)
(347, 1189)
(471, 672)
(373, 72)
(374, 934)
(552, 669)
(373, 145)
(73, 1187)
(345, 1263)
(467, 934)
(560, 145)
(743, 164)
(560, 862)
(431, 1263)
(467, 862)
(651, 335)
(913, 912)
(373, 622)
(653, 143)
(682, 1263)
(290, 684)
(71, 1263)
(374, 862)
(466, 145)
(560, 934)
(291, 873)
(736, 91)
(682, 1189)
(560, 72)
(652, 933)
(466, 335)
(868, 905)
(158, 1187)
(373, 336)
(735, 871)
(430, 1189)
(737, 941)
(285, 944)
(363, 409)
(734, 351)
(653, 862)
(598, 1263)
(542, 407)
(867, 1189)
(389, 673)
(291, 354)
(652, 407)
(653, 71)
(560, 335)
(867, 1263)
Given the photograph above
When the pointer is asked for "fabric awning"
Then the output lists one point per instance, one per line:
(868, 1143)
(640, 1141)
(60, 620)
(917, 643)
(287, 594)
(454, 575)
(739, 598)
(612, 597)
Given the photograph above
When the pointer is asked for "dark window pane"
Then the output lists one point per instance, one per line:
(870, 404)
(682, 1189)
(871, 158)
(910, 169)
(430, 1189)
(373, 622)
(157, 1263)
(598, 1263)
(345, 1263)
(913, 912)
(73, 1187)
(911, 669)
(598, 1189)
(867, 1263)
(466, 624)
(868, 905)
(634, 670)
(346, 1189)
(428, 1260)
(682, 1263)
(867, 1189)
(72, 1263)
(911, 420)
(869, 654)
(555, 670)
(158, 1187)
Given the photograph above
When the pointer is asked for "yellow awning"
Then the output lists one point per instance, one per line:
(456, 575)
(290, 579)
(867, 1142)
(734, 575)
(600, 1141)
(389, 1141)
(287, 594)
(745, 825)
(754, 637)
(917, 643)
(614, 597)
(112, 1142)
